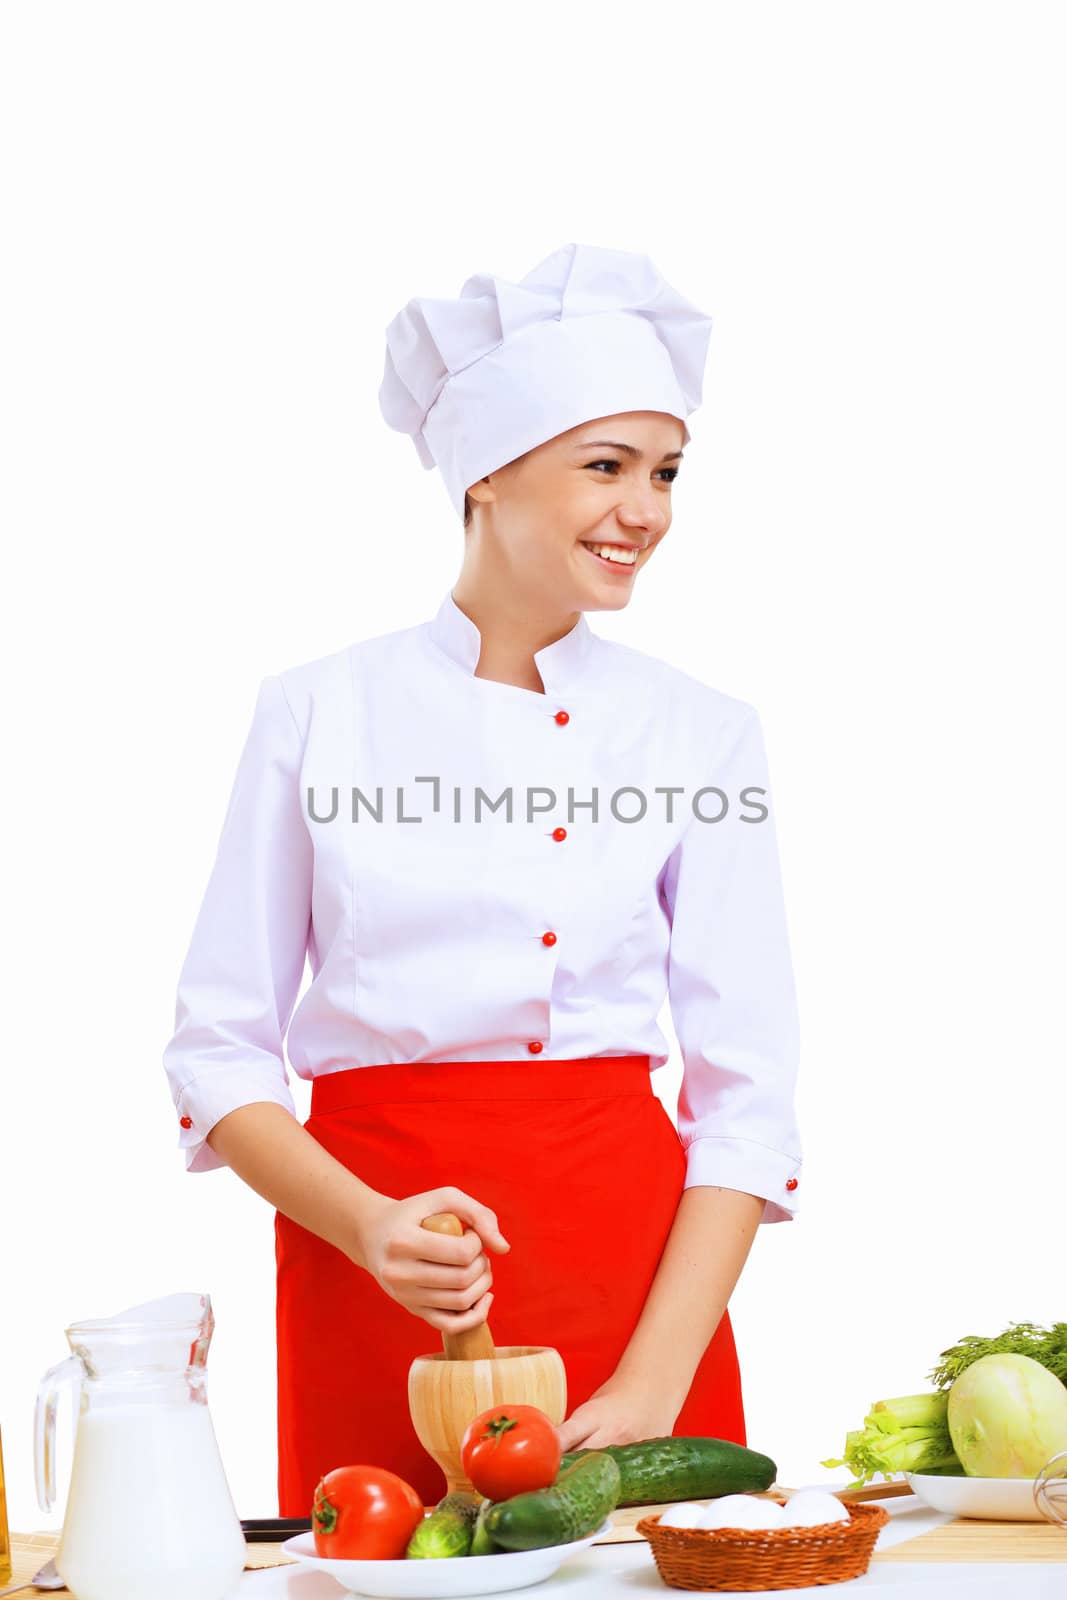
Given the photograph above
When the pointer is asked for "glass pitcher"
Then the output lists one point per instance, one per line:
(149, 1514)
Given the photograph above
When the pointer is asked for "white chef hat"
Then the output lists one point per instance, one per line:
(589, 332)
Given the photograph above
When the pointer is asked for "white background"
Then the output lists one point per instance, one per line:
(211, 211)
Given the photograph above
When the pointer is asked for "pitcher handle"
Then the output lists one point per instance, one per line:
(44, 1426)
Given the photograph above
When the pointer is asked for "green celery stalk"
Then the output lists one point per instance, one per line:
(909, 1411)
(908, 1433)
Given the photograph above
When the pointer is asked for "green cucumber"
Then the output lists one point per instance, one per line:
(570, 1508)
(682, 1467)
(481, 1544)
(461, 1500)
(447, 1530)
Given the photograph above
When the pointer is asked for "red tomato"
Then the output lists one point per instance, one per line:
(364, 1514)
(510, 1449)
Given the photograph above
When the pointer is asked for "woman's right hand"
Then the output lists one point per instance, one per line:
(443, 1278)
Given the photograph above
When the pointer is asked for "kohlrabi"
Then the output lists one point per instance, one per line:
(1007, 1415)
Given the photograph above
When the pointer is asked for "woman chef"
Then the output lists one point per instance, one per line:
(503, 840)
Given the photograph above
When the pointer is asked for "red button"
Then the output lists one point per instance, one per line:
(559, 833)
(563, 717)
(791, 1184)
(548, 938)
(535, 1047)
(187, 1122)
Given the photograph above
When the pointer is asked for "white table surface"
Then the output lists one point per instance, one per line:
(612, 1571)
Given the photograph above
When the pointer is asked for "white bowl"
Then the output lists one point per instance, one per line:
(442, 1576)
(999, 1499)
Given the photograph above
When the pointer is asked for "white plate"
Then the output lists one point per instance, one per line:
(443, 1576)
(1000, 1499)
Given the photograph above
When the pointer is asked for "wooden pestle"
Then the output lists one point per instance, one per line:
(470, 1344)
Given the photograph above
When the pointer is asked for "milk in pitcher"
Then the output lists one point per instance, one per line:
(149, 1512)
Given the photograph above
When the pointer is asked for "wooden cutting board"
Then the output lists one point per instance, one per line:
(965, 1539)
(30, 1551)
(973, 1539)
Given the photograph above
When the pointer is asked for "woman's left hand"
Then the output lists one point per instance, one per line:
(619, 1412)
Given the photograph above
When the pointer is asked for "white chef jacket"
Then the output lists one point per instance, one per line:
(368, 831)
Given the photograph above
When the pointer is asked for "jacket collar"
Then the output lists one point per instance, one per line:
(558, 663)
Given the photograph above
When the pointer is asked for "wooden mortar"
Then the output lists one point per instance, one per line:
(447, 1389)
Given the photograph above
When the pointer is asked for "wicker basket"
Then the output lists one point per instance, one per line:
(765, 1558)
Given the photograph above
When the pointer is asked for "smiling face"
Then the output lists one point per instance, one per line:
(543, 520)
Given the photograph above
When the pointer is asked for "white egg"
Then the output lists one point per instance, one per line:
(743, 1511)
(686, 1514)
(810, 1507)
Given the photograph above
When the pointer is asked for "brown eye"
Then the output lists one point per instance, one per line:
(671, 471)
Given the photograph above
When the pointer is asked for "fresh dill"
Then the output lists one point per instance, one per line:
(1047, 1345)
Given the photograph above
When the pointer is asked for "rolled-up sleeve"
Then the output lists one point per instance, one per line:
(242, 972)
(731, 987)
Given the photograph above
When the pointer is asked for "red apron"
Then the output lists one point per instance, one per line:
(584, 1169)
